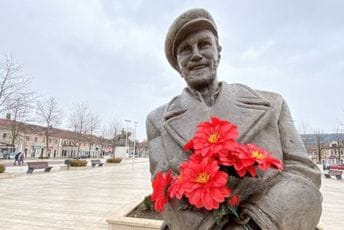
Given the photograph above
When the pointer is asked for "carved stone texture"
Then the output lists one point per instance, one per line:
(275, 200)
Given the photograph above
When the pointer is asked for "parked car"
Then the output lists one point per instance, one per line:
(81, 156)
(338, 167)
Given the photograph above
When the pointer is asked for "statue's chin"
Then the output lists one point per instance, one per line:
(200, 81)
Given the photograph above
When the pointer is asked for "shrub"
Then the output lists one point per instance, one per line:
(147, 202)
(78, 163)
(113, 160)
(43, 158)
(2, 168)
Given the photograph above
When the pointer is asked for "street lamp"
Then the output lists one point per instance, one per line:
(126, 136)
(135, 124)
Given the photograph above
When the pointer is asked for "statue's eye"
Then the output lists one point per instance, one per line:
(204, 44)
(184, 49)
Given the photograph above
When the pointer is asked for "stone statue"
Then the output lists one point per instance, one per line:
(275, 200)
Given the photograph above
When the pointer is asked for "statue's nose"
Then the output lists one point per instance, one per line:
(196, 55)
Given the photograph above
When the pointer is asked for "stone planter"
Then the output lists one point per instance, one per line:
(113, 160)
(123, 222)
(126, 223)
(2, 168)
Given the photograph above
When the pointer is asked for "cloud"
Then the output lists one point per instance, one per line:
(111, 53)
(257, 51)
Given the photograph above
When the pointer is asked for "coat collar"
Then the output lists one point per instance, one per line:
(237, 103)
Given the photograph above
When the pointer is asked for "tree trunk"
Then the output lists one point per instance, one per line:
(319, 153)
(47, 141)
(78, 150)
(114, 151)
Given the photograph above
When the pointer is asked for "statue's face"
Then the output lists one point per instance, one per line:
(198, 57)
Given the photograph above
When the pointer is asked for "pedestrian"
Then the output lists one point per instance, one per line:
(16, 158)
(21, 158)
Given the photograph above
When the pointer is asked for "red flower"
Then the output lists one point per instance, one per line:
(176, 189)
(241, 161)
(258, 156)
(234, 200)
(229, 157)
(212, 137)
(204, 185)
(196, 158)
(160, 186)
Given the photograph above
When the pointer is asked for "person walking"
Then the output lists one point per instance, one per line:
(16, 158)
(21, 158)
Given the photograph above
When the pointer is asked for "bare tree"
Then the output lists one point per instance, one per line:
(115, 130)
(16, 96)
(48, 114)
(102, 140)
(304, 130)
(93, 126)
(79, 122)
(19, 113)
(340, 140)
(319, 140)
(13, 84)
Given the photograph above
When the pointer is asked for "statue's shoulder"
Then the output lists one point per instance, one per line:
(163, 112)
(272, 97)
(157, 114)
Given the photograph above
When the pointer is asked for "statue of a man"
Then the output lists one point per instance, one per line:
(275, 200)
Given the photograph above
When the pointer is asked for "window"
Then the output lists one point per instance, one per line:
(4, 135)
(36, 139)
(27, 138)
(50, 140)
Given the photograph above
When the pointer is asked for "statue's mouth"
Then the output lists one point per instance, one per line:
(198, 66)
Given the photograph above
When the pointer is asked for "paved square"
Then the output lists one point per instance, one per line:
(85, 198)
(73, 199)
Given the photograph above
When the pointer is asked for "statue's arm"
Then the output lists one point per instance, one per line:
(294, 200)
(154, 139)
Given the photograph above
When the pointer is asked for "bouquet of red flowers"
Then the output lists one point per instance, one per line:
(205, 179)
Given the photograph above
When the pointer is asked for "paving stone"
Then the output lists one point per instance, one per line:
(71, 199)
(85, 198)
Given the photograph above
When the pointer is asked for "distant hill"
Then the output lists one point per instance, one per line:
(325, 137)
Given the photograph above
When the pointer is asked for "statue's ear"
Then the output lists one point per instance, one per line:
(179, 70)
(219, 49)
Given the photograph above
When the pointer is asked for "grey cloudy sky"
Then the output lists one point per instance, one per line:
(111, 53)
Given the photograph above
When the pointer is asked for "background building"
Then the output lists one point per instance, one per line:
(31, 140)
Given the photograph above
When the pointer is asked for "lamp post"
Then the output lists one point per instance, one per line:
(126, 136)
(134, 146)
(135, 124)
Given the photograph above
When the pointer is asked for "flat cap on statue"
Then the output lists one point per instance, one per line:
(188, 22)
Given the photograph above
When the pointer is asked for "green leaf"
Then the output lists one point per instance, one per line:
(247, 227)
(233, 211)
(220, 213)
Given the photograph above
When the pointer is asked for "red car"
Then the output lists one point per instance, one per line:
(338, 167)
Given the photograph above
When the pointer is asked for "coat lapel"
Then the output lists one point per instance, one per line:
(236, 103)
